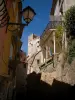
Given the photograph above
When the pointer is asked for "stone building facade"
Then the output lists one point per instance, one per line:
(48, 40)
(61, 6)
(33, 44)
(50, 55)
(10, 43)
(34, 53)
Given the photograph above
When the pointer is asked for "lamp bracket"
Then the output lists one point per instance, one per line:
(10, 23)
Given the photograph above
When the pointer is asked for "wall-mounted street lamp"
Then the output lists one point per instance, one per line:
(28, 15)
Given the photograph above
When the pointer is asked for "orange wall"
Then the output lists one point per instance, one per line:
(5, 37)
(2, 38)
(3, 41)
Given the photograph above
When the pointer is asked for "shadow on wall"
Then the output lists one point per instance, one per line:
(37, 88)
(21, 75)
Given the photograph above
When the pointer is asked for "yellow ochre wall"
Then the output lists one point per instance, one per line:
(8, 41)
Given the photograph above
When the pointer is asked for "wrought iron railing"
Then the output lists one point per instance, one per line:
(52, 25)
(45, 64)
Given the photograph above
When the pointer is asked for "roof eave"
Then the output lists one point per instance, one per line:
(53, 7)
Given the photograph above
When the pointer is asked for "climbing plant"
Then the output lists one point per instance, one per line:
(59, 33)
(69, 24)
(71, 51)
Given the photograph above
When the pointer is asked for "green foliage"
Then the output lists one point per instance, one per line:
(71, 53)
(59, 33)
(70, 22)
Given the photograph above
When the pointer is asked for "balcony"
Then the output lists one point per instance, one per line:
(52, 25)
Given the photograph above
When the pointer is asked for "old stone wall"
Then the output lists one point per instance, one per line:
(63, 72)
(48, 68)
(48, 77)
(34, 62)
(21, 75)
(68, 74)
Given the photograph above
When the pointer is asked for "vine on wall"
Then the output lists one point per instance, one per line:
(59, 34)
(69, 24)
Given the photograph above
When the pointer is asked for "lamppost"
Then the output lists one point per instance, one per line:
(28, 15)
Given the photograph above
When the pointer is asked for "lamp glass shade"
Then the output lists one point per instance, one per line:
(28, 14)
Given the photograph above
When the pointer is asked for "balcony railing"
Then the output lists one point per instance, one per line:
(45, 64)
(52, 25)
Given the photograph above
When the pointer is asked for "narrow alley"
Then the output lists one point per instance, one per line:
(37, 49)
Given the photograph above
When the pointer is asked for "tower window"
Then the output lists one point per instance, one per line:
(59, 2)
(37, 41)
(38, 61)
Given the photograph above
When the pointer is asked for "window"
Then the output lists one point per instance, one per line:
(37, 41)
(59, 2)
(61, 9)
(31, 44)
(44, 48)
(38, 46)
(38, 61)
(51, 52)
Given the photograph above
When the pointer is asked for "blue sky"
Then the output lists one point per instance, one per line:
(37, 26)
